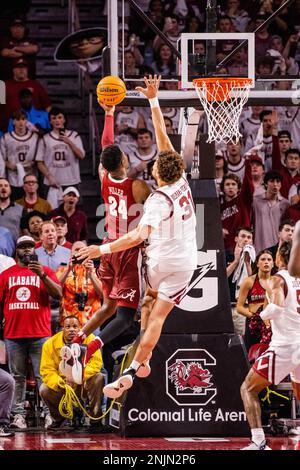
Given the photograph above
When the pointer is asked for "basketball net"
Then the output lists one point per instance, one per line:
(223, 100)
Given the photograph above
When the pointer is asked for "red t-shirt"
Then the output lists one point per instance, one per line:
(25, 303)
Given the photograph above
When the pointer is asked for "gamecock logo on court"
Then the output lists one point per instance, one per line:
(189, 380)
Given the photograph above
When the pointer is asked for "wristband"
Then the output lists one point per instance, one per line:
(44, 275)
(271, 311)
(105, 249)
(154, 102)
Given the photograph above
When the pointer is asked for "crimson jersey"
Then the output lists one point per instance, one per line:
(25, 303)
(122, 212)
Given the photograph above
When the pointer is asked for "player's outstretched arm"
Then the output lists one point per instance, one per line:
(133, 238)
(294, 263)
(162, 139)
(108, 136)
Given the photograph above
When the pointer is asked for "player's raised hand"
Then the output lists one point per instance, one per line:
(88, 252)
(109, 110)
(152, 86)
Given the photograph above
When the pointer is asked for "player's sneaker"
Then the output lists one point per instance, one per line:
(78, 353)
(144, 370)
(124, 382)
(64, 366)
(253, 446)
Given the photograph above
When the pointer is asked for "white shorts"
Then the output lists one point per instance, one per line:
(279, 361)
(170, 286)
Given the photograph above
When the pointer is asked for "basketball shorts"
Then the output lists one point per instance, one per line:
(279, 361)
(120, 274)
(170, 286)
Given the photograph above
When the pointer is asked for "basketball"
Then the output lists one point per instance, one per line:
(111, 90)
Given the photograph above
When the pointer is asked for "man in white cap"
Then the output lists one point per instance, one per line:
(24, 292)
(76, 218)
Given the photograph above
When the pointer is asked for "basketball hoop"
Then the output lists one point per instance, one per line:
(223, 100)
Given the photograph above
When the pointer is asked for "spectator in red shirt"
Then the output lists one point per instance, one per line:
(21, 80)
(24, 293)
(76, 218)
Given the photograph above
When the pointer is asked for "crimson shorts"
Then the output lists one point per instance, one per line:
(279, 361)
(120, 274)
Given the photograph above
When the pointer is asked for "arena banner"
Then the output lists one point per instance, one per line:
(205, 308)
(193, 390)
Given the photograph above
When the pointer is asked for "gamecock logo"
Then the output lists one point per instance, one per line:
(190, 376)
(189, 381)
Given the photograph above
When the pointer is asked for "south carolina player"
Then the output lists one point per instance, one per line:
(282, 357)
(169, 223)
(120, 272)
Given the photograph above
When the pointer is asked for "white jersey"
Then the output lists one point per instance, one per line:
(172, 243)
(286, 326)
(60, 159)
(18, 149)
(135, 158)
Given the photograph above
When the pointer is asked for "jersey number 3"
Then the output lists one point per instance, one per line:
(117, 208)
(187, 204)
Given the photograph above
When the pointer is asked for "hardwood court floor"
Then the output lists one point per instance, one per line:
(113, 442)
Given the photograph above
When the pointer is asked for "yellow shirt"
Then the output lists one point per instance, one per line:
(50, 360)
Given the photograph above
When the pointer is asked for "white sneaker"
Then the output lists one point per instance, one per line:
(19, 422)
(253, 446)
(144, 370)
(48, 421)
(116, 388)
(77, 369)
(64, 367)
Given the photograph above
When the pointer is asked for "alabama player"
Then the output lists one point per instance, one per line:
(282, 357)
(120, 272)
(169, 223)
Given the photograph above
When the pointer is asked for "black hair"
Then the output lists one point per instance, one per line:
(290, 150)
(245, 228)
(19, 115)
(271, 176)
(290, 222)
(111, 157)
(55, 111)
(143, 130)
(264, 113)
(285, 251)
(254, 265)
(31, 214)
(284, 134)
(71, 316)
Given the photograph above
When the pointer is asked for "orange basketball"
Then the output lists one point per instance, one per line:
(111, 90)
